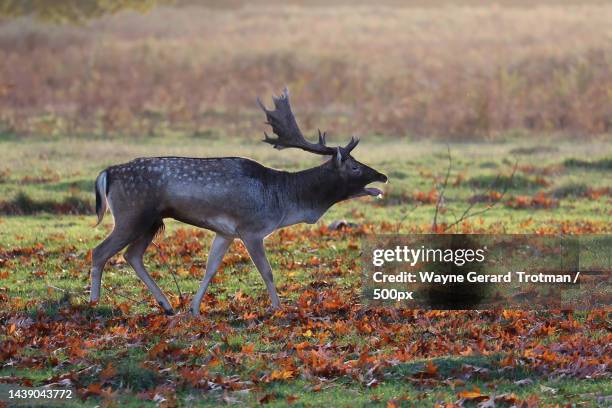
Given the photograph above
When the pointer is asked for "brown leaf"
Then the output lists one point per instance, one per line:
(124, 307)
(158, 349)
(267, 398)
(430, 371)
(473, 395)
(248, 348)
(108, 372)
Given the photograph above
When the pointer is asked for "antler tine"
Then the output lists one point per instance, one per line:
(286, 128)
(351, 145)
(272, 141)
(322, 137)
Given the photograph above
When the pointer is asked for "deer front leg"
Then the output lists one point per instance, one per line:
(256, 250)
(218, 248)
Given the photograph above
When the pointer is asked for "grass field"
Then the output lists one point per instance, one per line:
(325, 346)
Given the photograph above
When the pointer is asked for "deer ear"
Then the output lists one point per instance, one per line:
(338, 157)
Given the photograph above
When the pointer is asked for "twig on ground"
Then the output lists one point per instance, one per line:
(178, 288)
(67, 291)
(116, 293)
(434, 225)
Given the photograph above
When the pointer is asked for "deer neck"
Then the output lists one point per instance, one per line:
(310, 193)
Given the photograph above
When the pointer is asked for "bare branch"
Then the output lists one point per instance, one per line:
(406, 214)
(467, 214)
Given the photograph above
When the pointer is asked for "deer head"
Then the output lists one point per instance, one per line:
(355, 176)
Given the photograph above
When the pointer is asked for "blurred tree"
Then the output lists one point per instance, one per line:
(72, 11)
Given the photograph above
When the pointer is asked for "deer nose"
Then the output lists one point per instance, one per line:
(382, 178)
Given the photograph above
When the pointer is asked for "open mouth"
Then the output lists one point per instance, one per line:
(368, 191)
(373, 191)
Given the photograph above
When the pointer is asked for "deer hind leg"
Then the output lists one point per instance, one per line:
(133, 255)
(218, 248)
(121, 236)
(256, 250)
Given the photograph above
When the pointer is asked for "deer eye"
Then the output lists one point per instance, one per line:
(355, 168)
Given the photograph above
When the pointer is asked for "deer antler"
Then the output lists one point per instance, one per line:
(285, 127)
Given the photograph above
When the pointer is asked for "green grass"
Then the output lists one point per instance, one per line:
(601, 164)
(412, 167)
(45, 255)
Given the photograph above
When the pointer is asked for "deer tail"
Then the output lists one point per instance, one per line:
(101, 192)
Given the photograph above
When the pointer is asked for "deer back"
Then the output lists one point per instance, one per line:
(226, 195)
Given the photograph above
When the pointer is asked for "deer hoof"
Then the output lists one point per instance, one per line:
(273, 308)
(168, 311)
(194, 310)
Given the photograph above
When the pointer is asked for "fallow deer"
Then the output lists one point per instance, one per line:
(235, 197)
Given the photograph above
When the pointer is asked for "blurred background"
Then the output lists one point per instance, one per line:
(450, 70)
(88, 84)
